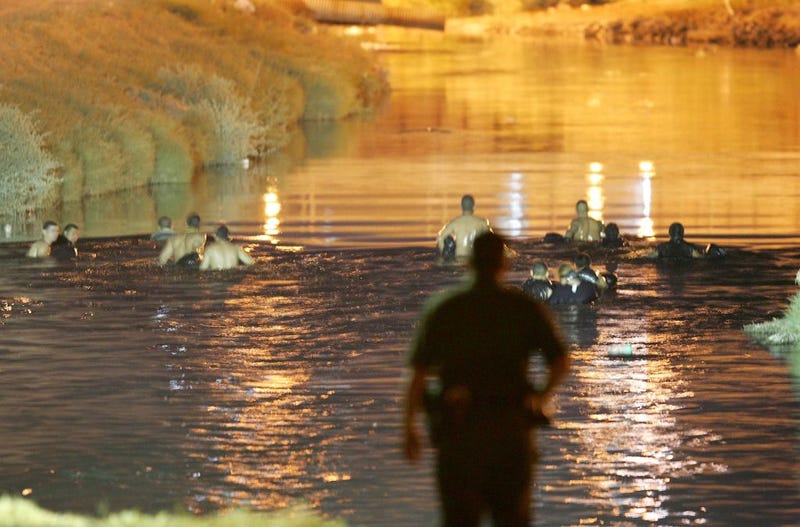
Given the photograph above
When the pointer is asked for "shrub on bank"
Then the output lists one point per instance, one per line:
(226, 130)
(27, 171)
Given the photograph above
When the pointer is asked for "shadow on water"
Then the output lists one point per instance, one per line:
(139, 387)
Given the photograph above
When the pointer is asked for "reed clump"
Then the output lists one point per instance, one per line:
(28, 174)
(779, 331)
(135, 93)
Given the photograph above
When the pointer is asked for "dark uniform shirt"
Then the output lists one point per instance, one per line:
(563, 295)
(481, 338)
(676, 249)
(63, 249)
(479, 341)
(538, 289)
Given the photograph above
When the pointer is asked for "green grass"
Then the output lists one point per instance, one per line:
(778, 331)
(19, 512)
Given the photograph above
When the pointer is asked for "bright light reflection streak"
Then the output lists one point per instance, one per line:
(272, 210)
(594, 193)
(513, 223)
(646, 171)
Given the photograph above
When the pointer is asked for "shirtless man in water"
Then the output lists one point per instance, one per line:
(41, 248)
(183, 248)
(222, 254)
(583, 228)
(463, 229)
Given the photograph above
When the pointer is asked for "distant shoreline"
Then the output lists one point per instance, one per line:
(763, 27)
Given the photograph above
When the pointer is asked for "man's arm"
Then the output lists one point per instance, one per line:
(245, 258)
(413, 402)
(33, 252)
(443, 233)
(166, 252)
(573, 227)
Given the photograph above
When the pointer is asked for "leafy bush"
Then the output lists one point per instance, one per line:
(28, 179)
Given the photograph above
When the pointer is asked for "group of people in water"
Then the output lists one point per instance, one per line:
(577, 282)
(191, 249)
(59, 245)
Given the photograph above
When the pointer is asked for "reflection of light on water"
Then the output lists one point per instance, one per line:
(514, 222)
(594, 193)
(630, 446)
(272, 210)
(646, 171)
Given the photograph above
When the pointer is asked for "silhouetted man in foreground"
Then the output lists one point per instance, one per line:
(478, 341)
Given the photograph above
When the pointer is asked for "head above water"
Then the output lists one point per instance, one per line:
(50, 231)
(222, 232)
(488, 255)
(676, 232)
(612, 232)
(467, 203)
(193, 220)
(582, 260)
(582, 208)
(71, 232)
(539, 269)
(165, 222)
(564, 270)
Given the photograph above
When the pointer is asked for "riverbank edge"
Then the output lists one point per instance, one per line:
(161, 91)
(762, 27)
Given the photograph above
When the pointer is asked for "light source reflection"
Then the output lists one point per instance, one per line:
(272, 210)
(265, 430)
(594, 194)
(629, 446)
(646, 173)
(514, 223)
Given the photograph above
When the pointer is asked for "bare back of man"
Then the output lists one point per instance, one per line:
(464, 229)
(222, 255)
(179, 245)
(584, 228)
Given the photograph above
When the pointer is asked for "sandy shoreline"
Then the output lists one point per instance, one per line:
(677, 25)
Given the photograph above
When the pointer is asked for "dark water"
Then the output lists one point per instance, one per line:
(129, 386)
(123, 385)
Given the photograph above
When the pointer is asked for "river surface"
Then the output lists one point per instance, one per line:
(125, 385)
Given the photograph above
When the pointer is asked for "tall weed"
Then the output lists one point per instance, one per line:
(28, 179)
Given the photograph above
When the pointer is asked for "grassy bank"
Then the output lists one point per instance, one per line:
(746, 23)
(98, 97)
(19, 512)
